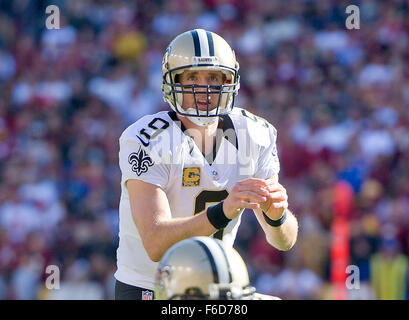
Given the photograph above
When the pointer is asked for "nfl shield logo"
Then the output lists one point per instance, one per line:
(147, 295)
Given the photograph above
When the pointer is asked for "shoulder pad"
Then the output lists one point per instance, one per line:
(157, 134)
(259, 129)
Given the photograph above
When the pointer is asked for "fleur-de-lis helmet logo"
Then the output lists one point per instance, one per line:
(140, 161)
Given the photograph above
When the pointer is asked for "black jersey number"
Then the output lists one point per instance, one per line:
(210, 196)
(158, 125)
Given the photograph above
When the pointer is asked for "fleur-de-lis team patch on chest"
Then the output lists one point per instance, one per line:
(140, 161)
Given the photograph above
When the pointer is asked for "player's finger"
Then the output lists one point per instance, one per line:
(275, 186)
(261, 191)
(281, 204)
(278, 196)
(254, 181)
(249, 205)
(250, 196)
(271, 181)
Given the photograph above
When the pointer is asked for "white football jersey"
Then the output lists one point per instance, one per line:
(155, 149)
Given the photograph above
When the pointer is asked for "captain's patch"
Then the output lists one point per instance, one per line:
(191, 177)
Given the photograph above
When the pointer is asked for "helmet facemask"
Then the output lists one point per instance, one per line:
(197, 50)
(219, 98)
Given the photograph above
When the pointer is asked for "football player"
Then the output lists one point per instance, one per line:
(191, 171)
(201, 268)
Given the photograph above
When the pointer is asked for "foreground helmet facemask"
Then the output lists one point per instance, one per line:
(200, 50)
(202, 268)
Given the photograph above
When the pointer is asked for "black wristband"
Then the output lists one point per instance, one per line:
(216, 216)
(275, 223)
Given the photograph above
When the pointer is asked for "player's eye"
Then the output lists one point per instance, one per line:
(215, 79)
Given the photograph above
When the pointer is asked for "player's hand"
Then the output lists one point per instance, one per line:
(277, 200)
(250, 193)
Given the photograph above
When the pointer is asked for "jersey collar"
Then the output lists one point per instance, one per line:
(225, 123)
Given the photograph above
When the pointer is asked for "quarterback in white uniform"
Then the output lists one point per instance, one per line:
(193, 170)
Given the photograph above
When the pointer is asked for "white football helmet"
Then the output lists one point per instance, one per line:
(199, 49)
(202, 268)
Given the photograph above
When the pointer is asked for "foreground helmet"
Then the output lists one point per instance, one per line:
(202, 268)
(199, 49)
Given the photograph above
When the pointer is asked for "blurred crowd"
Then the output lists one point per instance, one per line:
(339, 99)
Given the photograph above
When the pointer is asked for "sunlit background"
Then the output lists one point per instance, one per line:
(339, 99)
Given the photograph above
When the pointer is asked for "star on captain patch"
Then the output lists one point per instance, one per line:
(191, 177)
